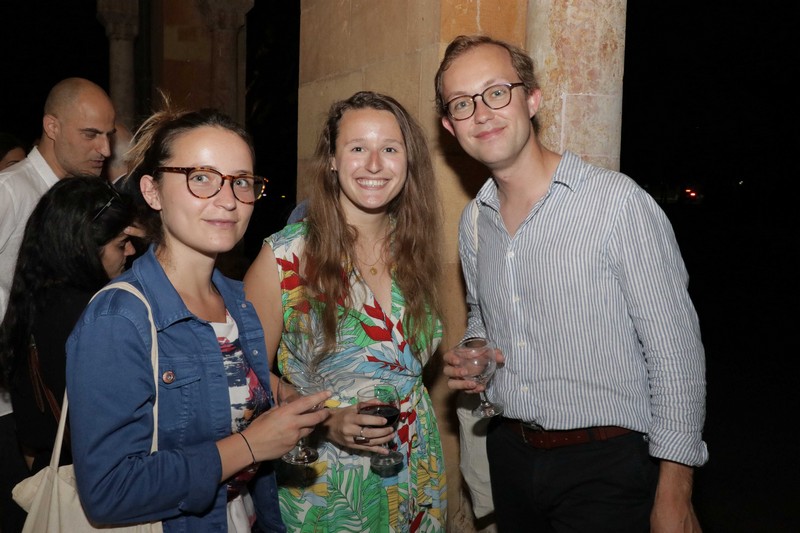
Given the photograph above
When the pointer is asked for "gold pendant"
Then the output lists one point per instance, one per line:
(373, 271)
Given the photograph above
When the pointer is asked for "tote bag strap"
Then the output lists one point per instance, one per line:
(475, 213)
(62, 423)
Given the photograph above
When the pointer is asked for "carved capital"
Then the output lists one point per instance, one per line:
(224, 14)
(120, 18)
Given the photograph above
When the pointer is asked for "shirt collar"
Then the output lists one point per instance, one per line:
(570, 173)
(42, 168)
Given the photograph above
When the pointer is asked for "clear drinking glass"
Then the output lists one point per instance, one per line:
(383, 400)
(478, 355)
(292, 386)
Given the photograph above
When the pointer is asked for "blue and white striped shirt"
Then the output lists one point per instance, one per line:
(588, 301)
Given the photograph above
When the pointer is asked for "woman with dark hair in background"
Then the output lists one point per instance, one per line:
(74, 243)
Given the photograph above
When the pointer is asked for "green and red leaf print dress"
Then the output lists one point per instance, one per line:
(339, 493)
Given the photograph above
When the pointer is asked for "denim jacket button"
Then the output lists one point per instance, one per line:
(168, 377)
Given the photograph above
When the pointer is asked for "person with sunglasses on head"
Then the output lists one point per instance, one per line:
(574, 271)
(217, 427)
(74, 243)
(77, 122)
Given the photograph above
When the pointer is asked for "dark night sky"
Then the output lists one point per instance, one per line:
(706, 104)
(705, 92)
(42, 42)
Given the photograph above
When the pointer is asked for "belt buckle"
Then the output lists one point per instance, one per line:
(533, 426)
(531, 432)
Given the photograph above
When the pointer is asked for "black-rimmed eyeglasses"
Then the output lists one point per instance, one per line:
(204, 182)
(495, 97)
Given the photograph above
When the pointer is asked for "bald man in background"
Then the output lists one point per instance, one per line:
(77, 125)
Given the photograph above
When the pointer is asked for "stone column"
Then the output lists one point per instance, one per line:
(578, 49)
(121, 21)
(225, 18)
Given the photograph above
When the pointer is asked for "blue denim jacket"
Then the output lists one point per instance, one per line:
(111, 395)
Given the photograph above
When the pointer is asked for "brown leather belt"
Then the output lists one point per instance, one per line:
(543, 439)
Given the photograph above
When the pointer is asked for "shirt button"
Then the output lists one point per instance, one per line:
(516, 299)
(524, 388)
(510, 255)
(168, 377)
(522, 344)
(244, 306)
(255, 352)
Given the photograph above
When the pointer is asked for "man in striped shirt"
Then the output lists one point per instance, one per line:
(575, 273)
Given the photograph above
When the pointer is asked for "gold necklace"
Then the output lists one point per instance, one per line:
(372, 269)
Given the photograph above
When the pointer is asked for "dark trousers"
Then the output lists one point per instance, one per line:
(12, 470)
(596, 486)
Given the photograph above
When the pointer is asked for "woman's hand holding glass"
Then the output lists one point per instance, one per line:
(275, 432)
(347, 428)
(381, 403)
(292, 388)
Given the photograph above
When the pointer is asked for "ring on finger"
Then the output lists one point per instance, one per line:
(360, 438)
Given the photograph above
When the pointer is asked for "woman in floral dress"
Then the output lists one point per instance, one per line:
(350, 291)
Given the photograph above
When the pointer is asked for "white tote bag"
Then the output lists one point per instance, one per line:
(474, 463)
(51, 496)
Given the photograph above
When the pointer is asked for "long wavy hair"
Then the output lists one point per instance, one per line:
(62, 247)
(415, 233)
(152, 147)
